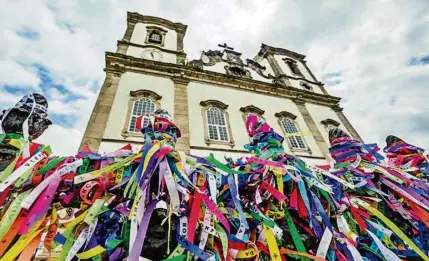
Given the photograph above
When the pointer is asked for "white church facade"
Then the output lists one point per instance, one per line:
(208, 98)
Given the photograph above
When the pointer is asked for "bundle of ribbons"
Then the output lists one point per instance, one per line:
(162, 204)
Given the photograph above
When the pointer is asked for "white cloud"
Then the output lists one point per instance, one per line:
(15, 74)
(63, 141)
(367, 43)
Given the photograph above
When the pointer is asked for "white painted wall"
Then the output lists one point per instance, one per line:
(320, 113)
(139, 36)
(136, 52)
(219, 155)
(131, 82)
(218, 67)
(236, 99)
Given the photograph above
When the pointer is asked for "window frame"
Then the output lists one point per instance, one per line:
(208, 104)
(292, 118)
(155, 29)
(303, 84)
(290, 61)
(135, 96)
(217, 126)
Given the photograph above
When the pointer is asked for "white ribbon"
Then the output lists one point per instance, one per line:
(83, 237)
(12, 178)
(387, 253)
(323, 248)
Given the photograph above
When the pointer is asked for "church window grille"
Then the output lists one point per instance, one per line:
(155, 38)
(216, 123)
(217, 127)
(290, 128)
(155, 35)
(140, 107)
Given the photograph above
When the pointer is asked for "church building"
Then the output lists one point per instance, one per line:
(209, 98)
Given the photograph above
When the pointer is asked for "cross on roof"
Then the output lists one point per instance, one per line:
(225, 46)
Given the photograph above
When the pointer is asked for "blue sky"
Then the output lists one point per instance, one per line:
(373, 54)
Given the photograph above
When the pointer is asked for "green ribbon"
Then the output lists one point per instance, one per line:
(176, 258)
(367, 248)
(66, 248)
(299, 245)
(24, 177)
(266, 221)
(8, 170)
(14, 136)
(223, 167)
(50, 165)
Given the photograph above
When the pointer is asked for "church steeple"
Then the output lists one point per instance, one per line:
(153, 38)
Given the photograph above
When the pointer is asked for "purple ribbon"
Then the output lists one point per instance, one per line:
(137, 247)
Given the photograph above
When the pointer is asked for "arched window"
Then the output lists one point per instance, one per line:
(140, 107)
(290, 128)
(141, 101)
(216, 124)
(217, 129)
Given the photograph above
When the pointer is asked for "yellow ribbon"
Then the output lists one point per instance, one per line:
(302, 133)
(23, 241)
(96, 173)
(248, 253)
(90, 253)
(272, 244)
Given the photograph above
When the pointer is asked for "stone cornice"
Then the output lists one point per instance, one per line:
(117, 64)
(337, 108)
(252, 109)
(156, 28)
(121, 42)
(180, 80)
(330, 122)
(145, 93)
(266, 49)
(305, 80)
(133, 17)
(215, 103)
(285, 114)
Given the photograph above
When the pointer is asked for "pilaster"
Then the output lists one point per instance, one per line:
(122, 48)
(312, 127)
(100, 114)
(180, 36)
(278, 72)
(181, 115)
(339, 111)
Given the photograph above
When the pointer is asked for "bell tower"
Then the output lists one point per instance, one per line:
(153, 38)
